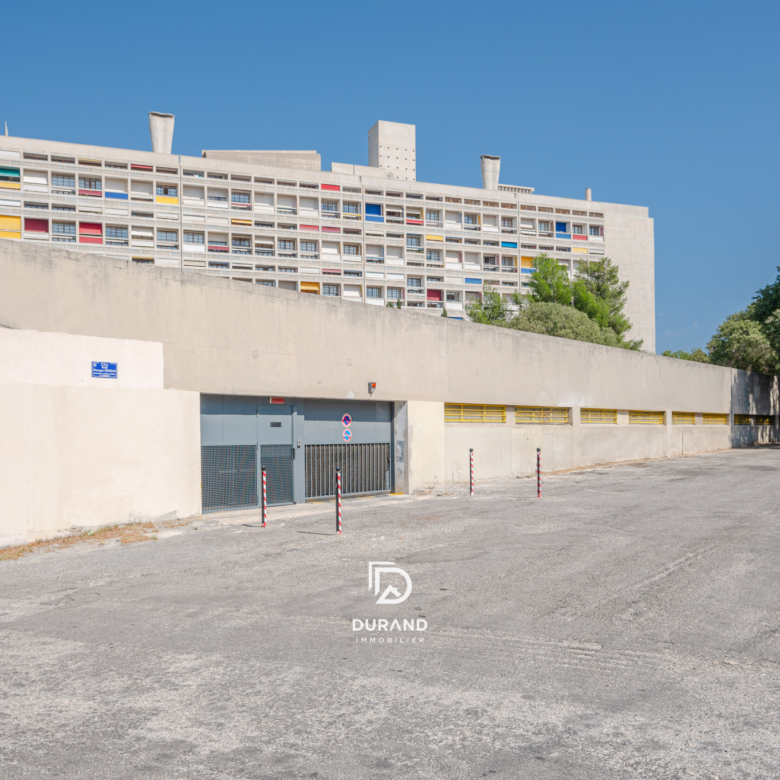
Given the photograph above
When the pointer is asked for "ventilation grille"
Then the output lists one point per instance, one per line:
(592, 416)
(645, 418)
(365, 468)
(715, 419)
(683, 418)
(479, 413)
(541, 414)
(229, 475)
(277, 459)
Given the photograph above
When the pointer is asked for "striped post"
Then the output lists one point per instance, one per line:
(338, 500)
(264, 500)
(538, 472)
(471, 472)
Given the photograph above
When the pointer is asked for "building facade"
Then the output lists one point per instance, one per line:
(370, 234)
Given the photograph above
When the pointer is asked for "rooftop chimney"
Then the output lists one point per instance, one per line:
(587, 194)
(490, 167)
(161, 129)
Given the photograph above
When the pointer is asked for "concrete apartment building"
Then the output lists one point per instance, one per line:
(369, 234)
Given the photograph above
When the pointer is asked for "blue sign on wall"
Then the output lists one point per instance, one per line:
(103, 370)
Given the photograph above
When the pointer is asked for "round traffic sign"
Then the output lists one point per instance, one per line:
(347, 434)
(346, 420)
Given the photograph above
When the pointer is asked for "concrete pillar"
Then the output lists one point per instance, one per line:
(425, 464)
(587, 193)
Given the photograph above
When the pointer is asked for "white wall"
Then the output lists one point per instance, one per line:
(84, 452)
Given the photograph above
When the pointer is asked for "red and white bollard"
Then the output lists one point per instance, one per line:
(471, 472)
(264, 500)
(538, 472)
(338, 500)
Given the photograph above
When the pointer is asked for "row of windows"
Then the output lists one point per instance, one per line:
(531, 415)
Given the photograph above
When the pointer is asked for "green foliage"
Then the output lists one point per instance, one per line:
(766, 301)
(444, 311)
(740, 342)
(697, 355)
(555, 319)
(398, 304)
(607, 294)
(549, 283)
(491, 309)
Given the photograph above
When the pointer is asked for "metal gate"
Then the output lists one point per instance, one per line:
(365, 468)
(278, 462)
(229, 474)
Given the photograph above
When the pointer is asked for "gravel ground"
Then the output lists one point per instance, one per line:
(623, 626)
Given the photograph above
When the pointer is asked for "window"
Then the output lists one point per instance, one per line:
(507, 262)
(356, 274)
(167, 191)
(715, 419)
(241, 241)
(413, 282)
(216, 197)
(59, 207)
(433, 256)
(491, 261)
(62, 180)
(373, 292)
(683, 418)
(470, 219)
(596, 230)
(240, 197)
(330, 206)
(330, 289)
(578, 230)
(193, 238)
(167, 239)
(64, 228)
(118, 233)
(286, 246)
(453, 296)
(308, 246)
(36, 206)
(351, 249)
(351, 208)
(507, 222)
(545, 226)
(433, 216)
(413, 241)
(89, 184)
(393, 294)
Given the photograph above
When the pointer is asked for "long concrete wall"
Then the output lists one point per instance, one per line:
(223, 337)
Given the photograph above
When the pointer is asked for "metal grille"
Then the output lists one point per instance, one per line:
(645, 418)
(742, 419)
(229, 476)
(474, 413)
(715, 419)
(277, 459)
(753, 419)
(553, 415)
(591, 416)
(683, 418)
(365, 468)
(762, 419)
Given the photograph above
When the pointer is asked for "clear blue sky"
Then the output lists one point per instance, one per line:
(669, 105)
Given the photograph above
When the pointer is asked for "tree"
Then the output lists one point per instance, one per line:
(490, 309)
(555, 319)
(444, 311)
(766, 301)
(740, 342)
(550, 283)
(600, 279)
(697, 355)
